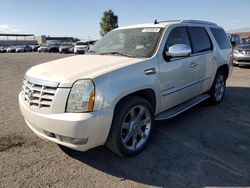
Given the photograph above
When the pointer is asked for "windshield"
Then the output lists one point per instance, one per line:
(66, 44)
(138, 42)
(246, 41)
(81, 43)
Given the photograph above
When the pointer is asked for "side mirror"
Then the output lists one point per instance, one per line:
(234, 43)
(179, 50)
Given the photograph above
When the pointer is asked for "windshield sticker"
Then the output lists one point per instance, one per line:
(151, 30)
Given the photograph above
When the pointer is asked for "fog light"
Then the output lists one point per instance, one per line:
(77, 141)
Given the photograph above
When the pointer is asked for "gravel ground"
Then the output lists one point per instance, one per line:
(205, 146)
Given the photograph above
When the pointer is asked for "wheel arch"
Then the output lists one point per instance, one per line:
(148, 94)
(225, 69)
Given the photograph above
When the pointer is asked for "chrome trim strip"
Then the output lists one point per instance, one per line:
(206, 78)
(173, 89)
(41, 82)
(201, 53)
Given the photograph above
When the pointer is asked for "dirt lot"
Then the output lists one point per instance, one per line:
(206, 146)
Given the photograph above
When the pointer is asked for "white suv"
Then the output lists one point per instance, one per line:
(131, 77)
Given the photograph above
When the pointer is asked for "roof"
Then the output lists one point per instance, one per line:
(149, 25)
(242, 34)
(15, 35)
(164, 24)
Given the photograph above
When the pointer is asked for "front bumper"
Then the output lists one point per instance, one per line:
(64, 50)
(241, 59)
(90, 129)
(80, 50)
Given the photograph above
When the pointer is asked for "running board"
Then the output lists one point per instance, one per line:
(171, 113)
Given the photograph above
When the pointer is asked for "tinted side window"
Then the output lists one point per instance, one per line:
(221, 38)
(200, 39)
(178, 35)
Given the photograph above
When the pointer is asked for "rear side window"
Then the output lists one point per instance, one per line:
(200, 39)
(221, 38)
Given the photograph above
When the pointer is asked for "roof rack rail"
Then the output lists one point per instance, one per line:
(199, 22)
(157, 22)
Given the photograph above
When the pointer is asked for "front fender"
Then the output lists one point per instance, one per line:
(115, 85)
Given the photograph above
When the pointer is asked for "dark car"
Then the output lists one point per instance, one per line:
(34, 47)
(242, 53)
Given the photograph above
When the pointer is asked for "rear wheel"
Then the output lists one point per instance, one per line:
(217, 90)
(131, 127)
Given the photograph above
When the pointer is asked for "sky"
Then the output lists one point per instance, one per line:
(81, 18)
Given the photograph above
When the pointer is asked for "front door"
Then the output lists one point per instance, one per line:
(179, 77)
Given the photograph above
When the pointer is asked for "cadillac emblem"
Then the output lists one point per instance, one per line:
(30, 94)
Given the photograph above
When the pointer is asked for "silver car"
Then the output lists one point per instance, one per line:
(81, 47)
(242, 53)
(66, 48)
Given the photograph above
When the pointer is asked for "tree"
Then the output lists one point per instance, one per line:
(109, 21)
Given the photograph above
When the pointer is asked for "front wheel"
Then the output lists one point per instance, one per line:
(131, 126)
(217, 90)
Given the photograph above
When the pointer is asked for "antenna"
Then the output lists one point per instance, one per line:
(156, 22)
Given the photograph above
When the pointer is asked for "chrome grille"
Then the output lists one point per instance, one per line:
(39, 94)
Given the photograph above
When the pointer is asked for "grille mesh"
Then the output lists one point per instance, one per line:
(38, 95)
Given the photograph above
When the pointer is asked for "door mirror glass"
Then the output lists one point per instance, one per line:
(179, 50)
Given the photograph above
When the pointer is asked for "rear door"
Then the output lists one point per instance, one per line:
(203, 52)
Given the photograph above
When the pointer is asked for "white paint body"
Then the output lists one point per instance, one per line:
(116, 77)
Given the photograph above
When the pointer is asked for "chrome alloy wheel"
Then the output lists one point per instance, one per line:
(136, 127)
(219, 87)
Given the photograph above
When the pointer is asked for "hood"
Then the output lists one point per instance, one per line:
(66, 46)
(43, 47)
(81, 46)
(243, 47)
(68, 70)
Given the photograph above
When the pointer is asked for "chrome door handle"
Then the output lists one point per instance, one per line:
(192, 64)
(150, 71)
(214, 59)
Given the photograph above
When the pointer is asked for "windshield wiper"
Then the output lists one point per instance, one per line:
(117, 53)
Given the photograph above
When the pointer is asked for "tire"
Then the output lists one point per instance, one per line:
(129, 137)
(218, 88)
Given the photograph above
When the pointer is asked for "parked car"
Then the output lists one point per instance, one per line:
(245, 40)
(49, 48)
(2, 49)
(43, 48)
(34, 47)
(11, 49)
(66, 48)
(23, 48)
(133, 76)
(81, 47)
(241, 53)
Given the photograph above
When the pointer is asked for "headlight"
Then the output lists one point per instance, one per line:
(236, 51)
(81, 97)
